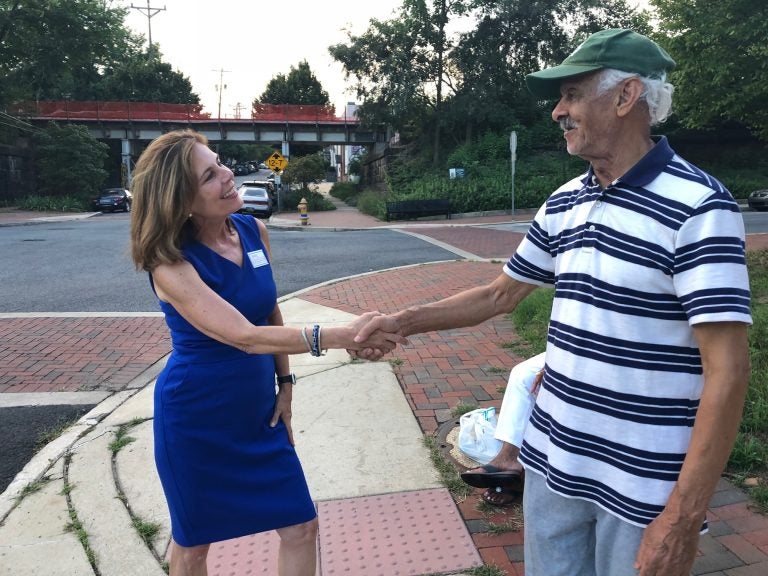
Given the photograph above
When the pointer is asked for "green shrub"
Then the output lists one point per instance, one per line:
(346, 192)
(373, 204)
(55, 204)
(316, 202)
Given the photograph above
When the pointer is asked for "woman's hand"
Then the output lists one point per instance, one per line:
(283, 410)
(377, 342)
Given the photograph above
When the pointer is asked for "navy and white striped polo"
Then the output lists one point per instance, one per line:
(634, 266)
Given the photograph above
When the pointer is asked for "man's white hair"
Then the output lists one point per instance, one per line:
(657, 94)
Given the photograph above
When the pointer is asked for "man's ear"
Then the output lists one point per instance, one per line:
(629, 95)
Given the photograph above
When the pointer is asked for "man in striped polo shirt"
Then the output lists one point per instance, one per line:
(647, 358)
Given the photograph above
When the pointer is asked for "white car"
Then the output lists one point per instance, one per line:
(256, 201)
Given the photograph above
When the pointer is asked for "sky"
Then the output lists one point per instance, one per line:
(243, 44)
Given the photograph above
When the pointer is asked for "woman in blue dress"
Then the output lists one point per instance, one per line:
(222, 422)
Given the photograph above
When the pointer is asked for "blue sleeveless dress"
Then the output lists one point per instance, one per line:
(224, 471)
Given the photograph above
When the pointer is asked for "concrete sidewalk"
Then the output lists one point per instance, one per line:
(359, 429)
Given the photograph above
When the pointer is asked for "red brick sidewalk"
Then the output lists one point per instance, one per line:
(440, 370)
(69, 354)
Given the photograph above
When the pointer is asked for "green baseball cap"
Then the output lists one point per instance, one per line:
(617, 48)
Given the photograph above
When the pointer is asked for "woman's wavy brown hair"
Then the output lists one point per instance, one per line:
(163, 187)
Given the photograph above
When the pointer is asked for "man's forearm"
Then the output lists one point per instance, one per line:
(468, 308)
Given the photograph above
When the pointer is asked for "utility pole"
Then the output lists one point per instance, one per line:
(221, 85)
(238, 109)
(149, 11)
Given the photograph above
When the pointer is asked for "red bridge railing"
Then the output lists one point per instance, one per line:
(72, 110)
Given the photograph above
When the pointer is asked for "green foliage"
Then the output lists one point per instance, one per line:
(80, 49)
(70, 162)
(304, 170)
(372, 203)
(720, 53)
(144, 77)
(54, 204)
(346, 192)
(316, 202)
(300, 86)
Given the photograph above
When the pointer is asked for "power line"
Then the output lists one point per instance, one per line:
(149, 11)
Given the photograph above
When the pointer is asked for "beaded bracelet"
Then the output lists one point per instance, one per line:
(315, 351)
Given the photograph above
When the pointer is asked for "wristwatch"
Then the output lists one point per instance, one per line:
(287, 379)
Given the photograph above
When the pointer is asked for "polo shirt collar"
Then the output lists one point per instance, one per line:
(647, 168)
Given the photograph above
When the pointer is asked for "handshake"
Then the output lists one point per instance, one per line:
(373, 335)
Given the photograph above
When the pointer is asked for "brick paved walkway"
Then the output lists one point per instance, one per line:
(76, 354)
(443, 369)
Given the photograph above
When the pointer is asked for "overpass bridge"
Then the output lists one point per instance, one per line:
(135, 123)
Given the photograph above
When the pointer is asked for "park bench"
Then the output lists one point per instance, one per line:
(403, 209)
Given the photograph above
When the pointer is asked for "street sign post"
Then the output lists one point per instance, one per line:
(276, 162)
(513, 155)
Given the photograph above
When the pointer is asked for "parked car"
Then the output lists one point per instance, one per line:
(112, 199)
(256, 201)
(240, 170)
(268, 184)
(758, 200)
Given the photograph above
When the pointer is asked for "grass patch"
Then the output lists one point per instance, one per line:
(497, 370)
(51, 434)
(395, 361)
(462, 408)
(486, 571)
(77, 528)
(54, 204)
(147, 530)
(449, 476)
(33, 487)
(121, 436)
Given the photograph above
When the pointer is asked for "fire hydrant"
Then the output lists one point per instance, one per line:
(303, 213)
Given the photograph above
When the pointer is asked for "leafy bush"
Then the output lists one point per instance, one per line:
(316, 202)
(373, 204)
(70, 162)
(54, 204)
(346, 192)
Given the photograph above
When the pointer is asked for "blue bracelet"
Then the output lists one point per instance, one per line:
(315, 340)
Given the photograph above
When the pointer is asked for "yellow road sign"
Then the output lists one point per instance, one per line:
(276, 162)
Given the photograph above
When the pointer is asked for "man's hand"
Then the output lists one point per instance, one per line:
(377, 342)
(378, 323)
(668, 548)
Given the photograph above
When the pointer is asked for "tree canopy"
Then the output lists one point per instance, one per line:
(415, 76)
(721, 50)
(300, 86)
(80, 49)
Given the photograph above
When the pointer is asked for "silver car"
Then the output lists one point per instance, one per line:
(256, 201)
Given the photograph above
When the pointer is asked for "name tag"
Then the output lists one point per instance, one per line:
(257, 258)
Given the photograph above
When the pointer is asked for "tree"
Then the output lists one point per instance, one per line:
(50, 50)
(305, 170)
(299, 87)
(400, 66)
(721, 50)
(143, 77)
(513, 39)
(79, 49)
(69, 161)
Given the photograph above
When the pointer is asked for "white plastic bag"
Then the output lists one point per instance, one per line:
(476, 435)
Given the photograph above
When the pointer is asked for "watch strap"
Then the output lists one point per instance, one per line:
(287, 379)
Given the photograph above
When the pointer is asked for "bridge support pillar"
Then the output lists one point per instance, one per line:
(125, 168)
(286, 149)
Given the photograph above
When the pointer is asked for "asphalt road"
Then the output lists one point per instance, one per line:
(84, 266)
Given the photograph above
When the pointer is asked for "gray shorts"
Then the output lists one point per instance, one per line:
(573, 537)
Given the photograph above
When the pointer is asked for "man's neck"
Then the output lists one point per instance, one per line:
(625, 155)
